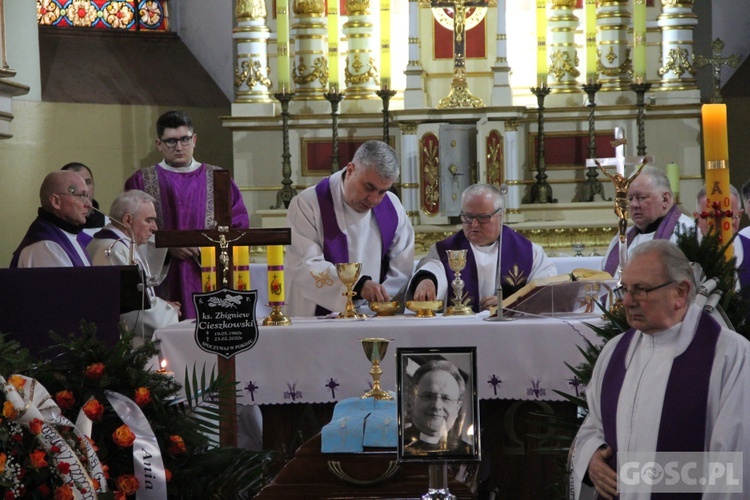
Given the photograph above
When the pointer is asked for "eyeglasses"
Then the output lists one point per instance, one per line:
(185, 140)
(82, 197)
(429, 397)
(637, 292)
(483, 218)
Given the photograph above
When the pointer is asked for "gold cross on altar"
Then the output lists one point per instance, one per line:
(717, 61)
(224, 237)
(460, 96)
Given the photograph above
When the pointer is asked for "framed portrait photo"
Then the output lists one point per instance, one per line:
(438, 406)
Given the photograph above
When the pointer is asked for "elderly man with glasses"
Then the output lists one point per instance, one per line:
(184, 200)
(56, 238)
(482, 218)
(676, 381)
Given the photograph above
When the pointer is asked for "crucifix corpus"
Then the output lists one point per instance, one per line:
(460, 96)
(717, 61)
(223, 238)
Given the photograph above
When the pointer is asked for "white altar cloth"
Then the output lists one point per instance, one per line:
(319, 361)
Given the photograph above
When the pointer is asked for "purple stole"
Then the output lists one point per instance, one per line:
(41, 230)
(663, 232)
(517, 256)
(335, 246)
(683, 417)
(743, 271)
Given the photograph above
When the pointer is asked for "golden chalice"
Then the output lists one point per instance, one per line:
(457, 263)
(349, 274)
(375, 349)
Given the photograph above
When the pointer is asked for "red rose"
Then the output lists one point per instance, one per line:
(35, 426)
(123, 436)
(63, 467)
(38, 459)
(176, 445)
(168, 474)
(142, 396)
(93, 409)
(119, 495)
(64, 492)
(127, 483)
(95, 371)
(44, 490)
(9, 495)
(9, 411)
(65, 400)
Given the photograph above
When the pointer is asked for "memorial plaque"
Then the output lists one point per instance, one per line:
(225, 321)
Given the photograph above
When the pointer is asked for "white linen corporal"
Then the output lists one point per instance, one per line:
(311, 280)
(649, 362)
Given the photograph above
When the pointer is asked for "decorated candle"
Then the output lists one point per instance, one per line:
(333, 45)
(385, 47)
(591, 71)
(241, 268)
(639, 40)
(673, 174)
(541, 42)
(715, 138)
(716, 155)
(282, 45)
(275, 275)
(208, 269)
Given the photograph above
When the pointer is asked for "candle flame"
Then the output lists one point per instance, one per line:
(163, 364)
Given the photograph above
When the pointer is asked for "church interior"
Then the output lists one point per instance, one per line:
(282, 93)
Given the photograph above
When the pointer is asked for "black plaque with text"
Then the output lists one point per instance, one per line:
(225, 321)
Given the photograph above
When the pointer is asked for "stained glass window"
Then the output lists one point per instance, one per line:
(151, 15)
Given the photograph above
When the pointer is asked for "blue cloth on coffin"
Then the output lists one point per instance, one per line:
(357, 423)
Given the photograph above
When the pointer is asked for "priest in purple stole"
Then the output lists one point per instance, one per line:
(482, 218)
(654, 212)
(350, 216)
(675, 382)
(56, 237)
(183, 188)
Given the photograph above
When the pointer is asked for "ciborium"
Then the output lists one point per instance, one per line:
(375, 349)
(457, 263)
(349, 274)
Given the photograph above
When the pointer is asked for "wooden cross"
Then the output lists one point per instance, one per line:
(459, 97)
(717, 61)
(224, 237)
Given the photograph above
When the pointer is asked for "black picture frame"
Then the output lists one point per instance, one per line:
(461, 442)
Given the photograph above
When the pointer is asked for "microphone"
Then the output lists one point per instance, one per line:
(128, 230)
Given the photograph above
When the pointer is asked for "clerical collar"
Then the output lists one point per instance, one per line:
(429, 439)
(653, 226)
(194, 165)
(57, 221)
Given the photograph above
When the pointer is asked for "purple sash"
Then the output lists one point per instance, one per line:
(41, 230)
(516, 262)
(663, 232)
(106, 234)
(743, 271)
(683, 418)
(335, 245)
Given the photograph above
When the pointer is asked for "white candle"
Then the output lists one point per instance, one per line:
(619, 152)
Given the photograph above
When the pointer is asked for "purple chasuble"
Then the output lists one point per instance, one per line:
(335, 245)
(743, 272)
(663, 232)
(682, 426)
(185, 201)
(516, 262)
(41, 230)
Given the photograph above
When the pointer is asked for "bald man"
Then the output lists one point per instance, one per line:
(54, 239)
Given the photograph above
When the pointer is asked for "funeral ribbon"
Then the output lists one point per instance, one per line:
(148, 466)
(36, 403)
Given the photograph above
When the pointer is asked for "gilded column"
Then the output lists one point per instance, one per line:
(310, 65)
(250, 35)
(410, 170)
(414, 95)
(677, 22)
(563, 57)
(614, 63)
(501, 91)
(362, 75)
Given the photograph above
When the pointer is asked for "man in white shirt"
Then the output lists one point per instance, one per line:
(350, 216)
(654, 212)
(54, 238)
(133, 221)
(676, 381)
(482, 218)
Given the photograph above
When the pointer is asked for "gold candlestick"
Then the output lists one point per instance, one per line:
(277, 318)
(375, 349)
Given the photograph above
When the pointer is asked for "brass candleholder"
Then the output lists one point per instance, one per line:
(349, 274)
(375, 349)
(277, 318)
(457, 263)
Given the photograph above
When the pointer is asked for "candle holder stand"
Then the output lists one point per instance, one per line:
(541, 191)
(286, 193)
(385, 95)
(277, 318)
(334, 98)
(592, 186)
(640, 90)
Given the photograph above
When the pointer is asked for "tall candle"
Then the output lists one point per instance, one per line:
(333, 45)
(673, 174)
(639, 40)
(241, 274)
(619, 153)
(591, 71)
(208, 269)
(716, 155)
(282, 44)
(541, 41)
(275, 275)
(385, 47)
